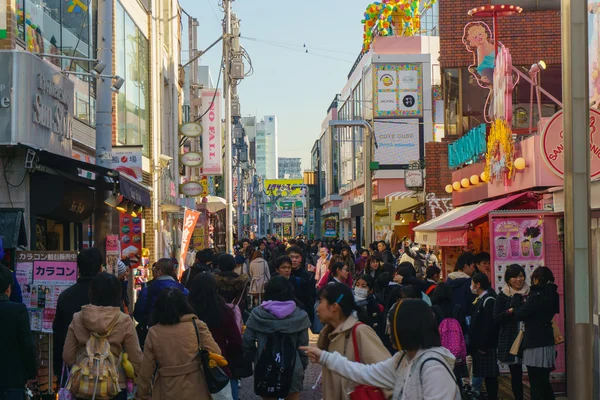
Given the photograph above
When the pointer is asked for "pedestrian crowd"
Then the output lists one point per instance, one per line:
(388, 327)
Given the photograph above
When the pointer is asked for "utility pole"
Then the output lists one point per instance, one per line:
(228, 125)
(578, 258)
(294, 218)
(104, 121)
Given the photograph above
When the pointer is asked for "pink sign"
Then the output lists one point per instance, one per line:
(552, 144)
(54, 272)
(452, 238)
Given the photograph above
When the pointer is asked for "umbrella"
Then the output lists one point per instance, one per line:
(214, 204)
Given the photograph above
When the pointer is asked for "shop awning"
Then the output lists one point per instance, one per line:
(135, 192)
(12, 228)
(409, 196)
(450, 229)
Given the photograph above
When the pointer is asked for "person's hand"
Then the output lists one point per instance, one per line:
(398, 278)
(313, 353)
(311, 268)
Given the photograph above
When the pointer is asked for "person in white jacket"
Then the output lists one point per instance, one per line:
(421, 370)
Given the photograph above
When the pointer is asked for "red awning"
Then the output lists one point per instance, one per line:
(466, 220)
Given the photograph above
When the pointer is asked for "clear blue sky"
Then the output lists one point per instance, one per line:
(287, 82)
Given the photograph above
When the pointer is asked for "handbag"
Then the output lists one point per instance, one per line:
(558, 336)
(515, 349)
(63, 392)
(363, 392)
(216, 379)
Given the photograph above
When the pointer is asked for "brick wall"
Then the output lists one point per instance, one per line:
(149, 236)
(531, 36)
(11, 27)
(437, 201)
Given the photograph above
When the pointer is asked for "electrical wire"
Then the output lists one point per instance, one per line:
(213, 11)
(304, 46)
(298, 50)
(5, 165)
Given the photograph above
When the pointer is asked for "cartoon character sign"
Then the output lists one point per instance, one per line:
(478, 40)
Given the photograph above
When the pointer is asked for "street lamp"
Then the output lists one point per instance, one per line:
(367, 169)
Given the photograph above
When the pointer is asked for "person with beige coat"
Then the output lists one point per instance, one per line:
(335, 310)
(97, 317)
(171, 350)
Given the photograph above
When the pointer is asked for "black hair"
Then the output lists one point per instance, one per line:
(282, 260)
(89, 261)
(482, 279)
(227, 263)
(215, 259)
(431, 271)
(441, 294)
(464, 260)
(166, 267)
(6, 279)
(338, 266)
(513, 271)
(388, 267)
(296, 250)
(105, 290)
(339, 293)
(203, 256)
(414, 325)
(208, 304)
(368, 280)
(406, 269)
(543, 274)
(482, 257)
(384, 243)
(410, 292)
(279, 288)
(170, 305)
(384, 279)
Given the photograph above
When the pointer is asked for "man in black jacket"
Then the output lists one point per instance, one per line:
(89, 264)
(16, 343)
(203, 257)
(386, 254)
(306, 293)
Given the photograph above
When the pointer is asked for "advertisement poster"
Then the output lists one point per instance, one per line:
(128, 161)
(43, 276)
(130, 229)
(200, 234)
(330, 228)
(112, 253)
(516, 241)
(398, 141)
(399, 90)
(211, 133)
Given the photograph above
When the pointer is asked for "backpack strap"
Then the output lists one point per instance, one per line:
(486, 300)
(443, 364)
(430, 289)
(440, 312)
(355, 343)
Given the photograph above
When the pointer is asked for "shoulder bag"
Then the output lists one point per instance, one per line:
(216, 379)
(363, 392)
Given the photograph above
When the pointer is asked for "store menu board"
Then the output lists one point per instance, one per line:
(130, 233)
(43, 276)
(517, 241)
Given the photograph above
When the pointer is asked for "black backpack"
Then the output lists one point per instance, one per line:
(274, 370)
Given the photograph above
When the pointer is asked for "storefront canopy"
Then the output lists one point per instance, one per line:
(407, 197)
(450, 229)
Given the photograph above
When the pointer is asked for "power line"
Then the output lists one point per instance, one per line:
(213, 11)
(304, 46)
(298, 50)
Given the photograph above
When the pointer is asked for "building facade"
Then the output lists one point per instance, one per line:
(266, 147)
(289, 168)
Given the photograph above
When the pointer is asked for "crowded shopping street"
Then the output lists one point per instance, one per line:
(251, 199)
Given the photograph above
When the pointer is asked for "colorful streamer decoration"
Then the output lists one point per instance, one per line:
(392, 18)
(500, 153)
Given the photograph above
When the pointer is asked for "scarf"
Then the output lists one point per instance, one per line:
(510, 292)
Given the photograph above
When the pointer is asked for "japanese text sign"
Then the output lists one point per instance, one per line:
(54, 272)
(128, 160)
(190, 219)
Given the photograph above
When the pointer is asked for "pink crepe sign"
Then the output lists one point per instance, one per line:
(452, 238)
(54, 272)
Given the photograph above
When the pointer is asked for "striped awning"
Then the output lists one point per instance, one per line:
(398, 196)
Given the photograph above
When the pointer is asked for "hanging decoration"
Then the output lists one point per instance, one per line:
(499, 158)
(392, 18)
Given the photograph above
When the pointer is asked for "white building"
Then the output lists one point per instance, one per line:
(266, 148)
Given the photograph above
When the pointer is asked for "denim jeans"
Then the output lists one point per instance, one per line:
(235, 389)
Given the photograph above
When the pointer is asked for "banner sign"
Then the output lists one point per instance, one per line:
(43, 276)
(283, 187)
(469, 148)
(211, 135)
(128, 161)
(131, 235)
(190, 218)
(112, 253)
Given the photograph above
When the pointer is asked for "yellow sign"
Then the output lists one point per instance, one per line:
(204, 183)
(283, 187)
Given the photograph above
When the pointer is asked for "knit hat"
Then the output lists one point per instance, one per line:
(121, 268)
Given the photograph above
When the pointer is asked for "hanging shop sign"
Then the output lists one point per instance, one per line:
(191, 189)
(413, 178)
(191, 129)
(130, 234)
(552, 144)
(399, 90)
(211, 132)
(330, 228)
(36, 104)
(191, 159)
(469, 148)
(128, 160)
(43, 276)
(112, 253)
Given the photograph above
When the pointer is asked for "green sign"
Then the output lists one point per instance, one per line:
(287, 204)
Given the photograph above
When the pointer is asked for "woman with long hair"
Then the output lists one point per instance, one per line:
(362, 261)
(348, 259)
(170, 369)
(366, 302)
(279, 315)
(509, 326)
(342, 329)
(211, 308)
(259, 276)
(422, 368)
(322, 264)
(537, 312)
(373, 268)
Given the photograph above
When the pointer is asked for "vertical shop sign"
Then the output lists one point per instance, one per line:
(130, 231)
(112, 253)
(128, 161)
(211, 135)
(43, 276)
(199, 236)
(516, 241)
(190, 218)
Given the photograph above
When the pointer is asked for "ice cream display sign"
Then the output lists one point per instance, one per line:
(517, 241)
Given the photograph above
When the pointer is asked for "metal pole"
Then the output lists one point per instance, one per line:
(240, 197)
(368, 205)
(578, 260)
(228, 150)
(102, 214)
(294, 218)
